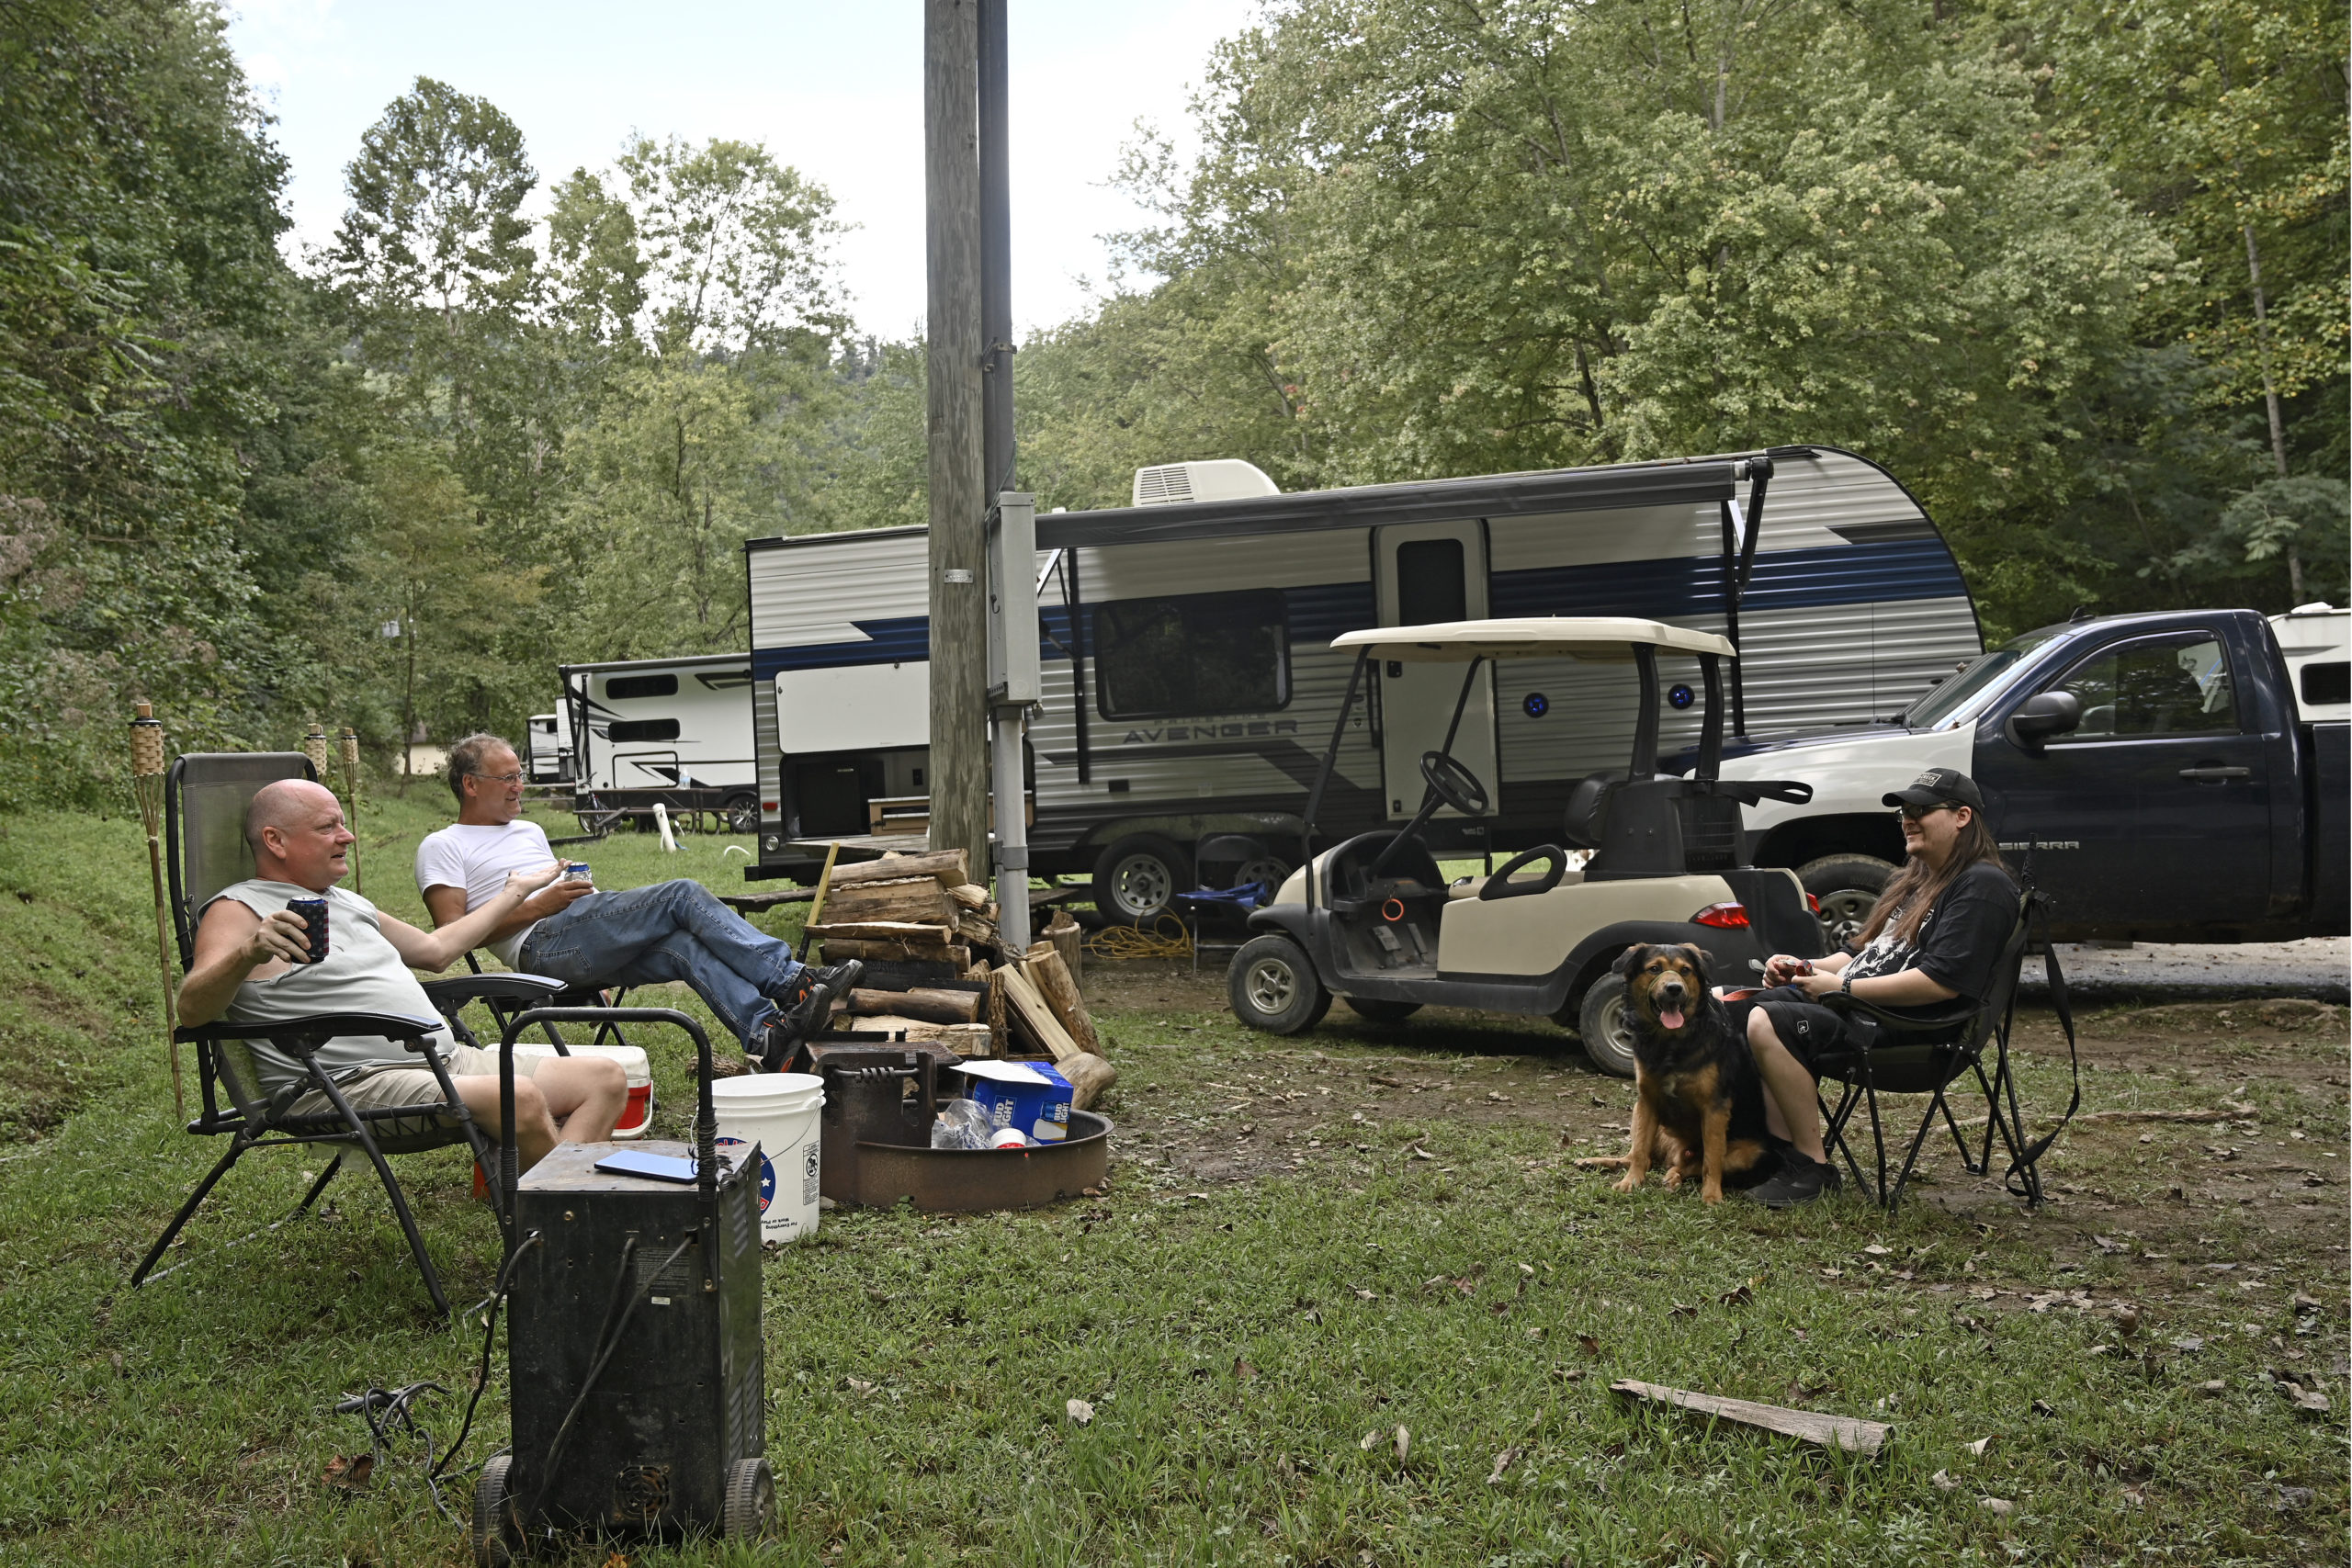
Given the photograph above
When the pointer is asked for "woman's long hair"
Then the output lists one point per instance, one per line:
(1912, 891)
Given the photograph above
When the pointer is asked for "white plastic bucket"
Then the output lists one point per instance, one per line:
(778, 1111)
(637, 1113)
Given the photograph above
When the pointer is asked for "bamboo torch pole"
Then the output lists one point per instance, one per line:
(147, 781)
(351, 801)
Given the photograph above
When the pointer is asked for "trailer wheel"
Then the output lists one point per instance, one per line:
(493, 1525)
(1376, 1011)
(739, 812)
(1274, 988)
(1601, 1025)
(1137, 879)
(751, 1499)
(1847, 888)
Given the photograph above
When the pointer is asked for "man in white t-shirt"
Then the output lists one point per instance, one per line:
(569, 932)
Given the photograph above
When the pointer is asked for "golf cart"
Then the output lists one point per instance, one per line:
(1372, 920)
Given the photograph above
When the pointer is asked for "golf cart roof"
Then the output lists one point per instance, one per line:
(1605, 639)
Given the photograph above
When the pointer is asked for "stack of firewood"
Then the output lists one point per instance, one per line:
(936, 968)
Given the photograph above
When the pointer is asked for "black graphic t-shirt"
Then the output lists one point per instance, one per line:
(1958, 942)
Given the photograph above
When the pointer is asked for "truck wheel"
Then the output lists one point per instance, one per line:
(1375, 1011)
(1601, 1025)
(1274, 988)
(1847, 888)
(1137, 879)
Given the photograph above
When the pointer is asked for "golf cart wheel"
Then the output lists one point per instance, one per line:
(1374, 1011)
(751, 1500)
(493, 1525)
(1137, 879)
(1606, 1033)
(1847, 888)
(1272, 870)
(1274, 987)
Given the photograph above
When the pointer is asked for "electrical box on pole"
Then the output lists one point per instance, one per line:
(1013, 602)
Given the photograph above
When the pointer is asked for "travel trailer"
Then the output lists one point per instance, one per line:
(548, 760)
(675, 732)
(1190, 686)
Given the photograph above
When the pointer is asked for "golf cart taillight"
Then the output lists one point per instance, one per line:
(1813, 903)
(1724, 916)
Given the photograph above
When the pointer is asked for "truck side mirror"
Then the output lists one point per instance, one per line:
(2042, 716)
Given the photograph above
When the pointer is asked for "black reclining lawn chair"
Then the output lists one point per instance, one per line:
(205, 799)
(1902, 1056)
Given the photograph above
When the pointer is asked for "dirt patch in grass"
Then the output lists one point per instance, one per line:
(2152, 1200)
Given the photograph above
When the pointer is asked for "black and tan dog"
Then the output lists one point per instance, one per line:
(1701, 1105)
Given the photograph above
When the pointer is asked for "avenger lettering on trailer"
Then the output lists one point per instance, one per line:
(1211, 731)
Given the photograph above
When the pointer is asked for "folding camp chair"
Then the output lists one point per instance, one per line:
(1888, 1053)
(205, 799)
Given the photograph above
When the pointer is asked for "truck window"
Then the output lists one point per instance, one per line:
(1948, 696)
(2172, 685)
(626, 730)
(1196, 655)
(621, 688)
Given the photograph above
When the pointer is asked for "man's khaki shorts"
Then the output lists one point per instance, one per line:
(394, 1083)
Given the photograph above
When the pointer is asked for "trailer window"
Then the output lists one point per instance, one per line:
(1200, 654)
(2160, 687)
(626, 730)
(623, 687)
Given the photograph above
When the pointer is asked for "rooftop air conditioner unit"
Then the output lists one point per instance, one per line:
(1222, 478)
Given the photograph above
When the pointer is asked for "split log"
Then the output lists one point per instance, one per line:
(996, 1010)
(1068, 938)
(940, 960)
(918, 900)
(1089, 1076)
(970, 1040)
(907, 932)
(935, 1006)
(1045, 970)
(1033, 1016)
(974, 929)
(1823, 1431)
(971, 894)
(949, 868)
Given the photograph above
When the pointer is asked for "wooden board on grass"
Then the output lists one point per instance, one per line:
(1808, 1426)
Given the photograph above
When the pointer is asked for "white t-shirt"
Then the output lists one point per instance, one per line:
(477, 858)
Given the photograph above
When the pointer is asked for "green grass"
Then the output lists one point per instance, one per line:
(1237, 1343)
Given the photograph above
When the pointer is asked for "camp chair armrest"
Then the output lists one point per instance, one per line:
(526, 990)
(1959, 1012)
(303, 1035)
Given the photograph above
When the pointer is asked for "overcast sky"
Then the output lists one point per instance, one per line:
(833, 89)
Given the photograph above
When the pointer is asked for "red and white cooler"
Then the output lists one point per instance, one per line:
(637, 1114)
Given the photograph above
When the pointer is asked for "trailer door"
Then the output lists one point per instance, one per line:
(1425, 572)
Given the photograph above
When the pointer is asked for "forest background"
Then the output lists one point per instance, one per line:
(2073, 270)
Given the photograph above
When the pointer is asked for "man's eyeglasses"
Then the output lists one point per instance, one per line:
(500, 778)
(1913, 813)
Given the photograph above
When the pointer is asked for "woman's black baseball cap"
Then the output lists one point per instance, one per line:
(1935, 787)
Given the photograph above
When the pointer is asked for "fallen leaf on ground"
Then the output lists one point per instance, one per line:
(1591, 1345)
(2188, 1342)
(1944, 1480)
(1080, 1411)
(1371, 1440)
(1875, 1250)
(1977, 1448)
(1404, 1445)
(1998, 1506)
(1738, 1297)
(352, 1473)
(1242, 1369)
(1502, 1462)
(1678, 1310)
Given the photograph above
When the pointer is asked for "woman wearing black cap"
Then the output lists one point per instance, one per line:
(1935, 934)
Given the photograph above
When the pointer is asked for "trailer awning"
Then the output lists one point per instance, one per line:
(1535, 494)
(1602, 639)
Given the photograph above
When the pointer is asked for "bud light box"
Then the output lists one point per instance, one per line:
(1030, 1096)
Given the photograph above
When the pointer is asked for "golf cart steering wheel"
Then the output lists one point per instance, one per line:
(1454, 785)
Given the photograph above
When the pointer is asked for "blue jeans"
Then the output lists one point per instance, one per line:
(671, 930)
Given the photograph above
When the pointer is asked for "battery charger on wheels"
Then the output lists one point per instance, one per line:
(633, 1337)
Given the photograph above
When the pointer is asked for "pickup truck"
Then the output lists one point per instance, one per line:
(2180, 776)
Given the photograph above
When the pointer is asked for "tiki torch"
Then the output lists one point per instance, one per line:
(147, 780)
(351, 799)
(314, 747)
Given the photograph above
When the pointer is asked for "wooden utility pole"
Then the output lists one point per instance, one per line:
(959, 750)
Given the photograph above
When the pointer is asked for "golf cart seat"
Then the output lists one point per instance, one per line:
(1665, 826)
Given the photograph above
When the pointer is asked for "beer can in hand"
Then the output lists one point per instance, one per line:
(314, 925)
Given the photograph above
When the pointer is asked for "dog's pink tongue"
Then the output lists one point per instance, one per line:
(1670, 1017)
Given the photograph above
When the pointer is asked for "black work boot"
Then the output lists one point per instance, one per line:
(805, 1006)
